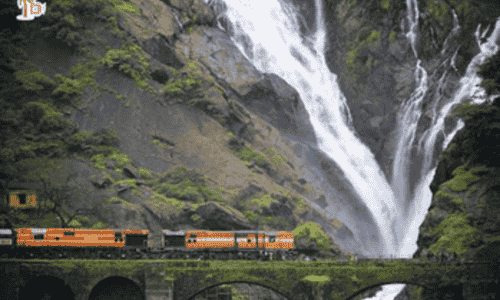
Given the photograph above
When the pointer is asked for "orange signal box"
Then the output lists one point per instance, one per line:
(22, 199)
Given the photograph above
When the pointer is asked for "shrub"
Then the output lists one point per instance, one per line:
(186, 86)
(99, 225)
(455, 235)
(131, 60)
(312, 232)
(145, 173)
(386, 4)
(462, 179)
(248, 154)
(74, 224)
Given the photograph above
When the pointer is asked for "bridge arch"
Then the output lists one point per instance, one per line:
(200, 292)
(116, 288)
(41, 287)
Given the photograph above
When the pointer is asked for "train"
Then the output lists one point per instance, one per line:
(59, 243)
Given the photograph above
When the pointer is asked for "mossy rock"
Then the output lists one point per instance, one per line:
(311, 235)
(455, 235)
(448, 201)
(462, 178)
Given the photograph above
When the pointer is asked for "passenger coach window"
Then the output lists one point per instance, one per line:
(38, 237)
(70, 233)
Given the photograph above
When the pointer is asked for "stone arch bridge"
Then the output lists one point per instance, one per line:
(184, 279)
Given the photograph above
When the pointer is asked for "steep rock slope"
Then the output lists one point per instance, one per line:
(462, 222)
(150, 117)
(369, 51)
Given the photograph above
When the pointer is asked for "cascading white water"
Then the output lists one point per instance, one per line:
(468, 89)
(409, 115)
(407, 121)
(420, 198)
(267, 32)
(276, 46)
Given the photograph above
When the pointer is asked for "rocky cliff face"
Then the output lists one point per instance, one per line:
(152, 118)
(369, 51)
(181, 98)
(462, 221)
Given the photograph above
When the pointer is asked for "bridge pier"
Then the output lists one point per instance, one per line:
(158, 286)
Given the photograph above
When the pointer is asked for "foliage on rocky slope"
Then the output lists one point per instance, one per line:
(112, 104)
(463, 216)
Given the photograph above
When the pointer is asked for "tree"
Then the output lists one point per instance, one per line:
(60, 197)
(57, 192)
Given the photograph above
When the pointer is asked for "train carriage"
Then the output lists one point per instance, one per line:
(113, 243)
(77, 237)
(77, 242)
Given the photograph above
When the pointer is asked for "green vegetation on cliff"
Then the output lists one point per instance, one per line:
(491, 75)
(130, 60)
(463, 218)
(185, 86)
(310, 234)
(463, 178)
(455, 235)
(438, 9)
(385, 4)
(187, 185)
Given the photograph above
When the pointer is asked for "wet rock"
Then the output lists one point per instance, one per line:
(259, 170)
(203, 14)
(219, 104)
(217, 217)
(321, 201)
(282, 199)
(101, 181)
(376, 121)
(248, 192)
(302, 181)
(279, 104)
(122, 188)
(159, 48)
(265, 94)
(131, 172)
(278, 209)
(111, 164)
(141, 182)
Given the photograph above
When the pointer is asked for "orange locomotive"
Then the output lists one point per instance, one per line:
(69, 237)
(112, 243)
(63, 242)
(241, 239)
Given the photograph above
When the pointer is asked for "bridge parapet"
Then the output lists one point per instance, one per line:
(181, 280)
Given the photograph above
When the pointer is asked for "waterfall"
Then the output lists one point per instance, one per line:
(468, 89)
(268, 33)
(408, 118)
